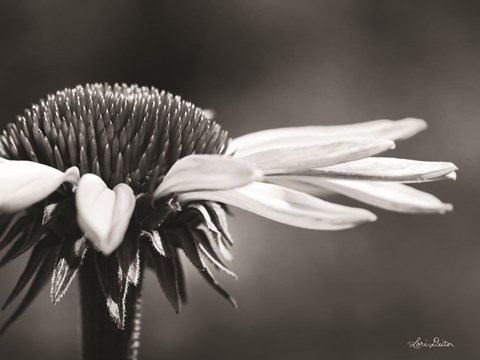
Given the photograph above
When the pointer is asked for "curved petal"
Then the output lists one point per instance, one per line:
(103, 214)
(24, 183)
(300, 183)
(389, 196)
(385, 169)
(383, 129)
(206, 172)
(286, 206)
(286, 160)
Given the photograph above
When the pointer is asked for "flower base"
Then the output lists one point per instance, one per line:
(101, 339)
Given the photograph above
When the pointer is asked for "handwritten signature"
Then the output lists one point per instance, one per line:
(436, 342)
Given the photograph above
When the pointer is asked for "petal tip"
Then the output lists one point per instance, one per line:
(367, 217)
(451, 176)
(419, 124)
(103, 214)
(107, 251)
(446, 208)
(390, 144)
(72, 175)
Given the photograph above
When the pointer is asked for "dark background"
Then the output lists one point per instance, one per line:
(356, 294)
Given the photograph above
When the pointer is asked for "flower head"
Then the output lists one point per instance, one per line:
(132, 176)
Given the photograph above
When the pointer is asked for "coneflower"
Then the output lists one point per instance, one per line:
(107, 181)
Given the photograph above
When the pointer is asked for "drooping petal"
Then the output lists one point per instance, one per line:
(290, 159)
(24, 183)
(387, 195)
(383, 129)
(206, 172)
(303, 184)
(103, 214)
(286, 206)
(385, 169)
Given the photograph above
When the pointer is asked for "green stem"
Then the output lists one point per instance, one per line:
(102, 340)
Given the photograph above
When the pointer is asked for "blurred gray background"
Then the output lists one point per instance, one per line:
(356, 294)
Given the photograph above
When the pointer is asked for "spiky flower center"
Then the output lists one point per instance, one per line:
(121, 133)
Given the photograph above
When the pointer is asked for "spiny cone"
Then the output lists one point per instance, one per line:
(124, 134)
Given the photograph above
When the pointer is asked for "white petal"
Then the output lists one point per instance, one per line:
(451, 176)
(206, 172)
(291, 159)
(384, 129)
(387, 195)
(103, 214)
(286, 206)
(24, 183)
(386, 169)
(300, 183)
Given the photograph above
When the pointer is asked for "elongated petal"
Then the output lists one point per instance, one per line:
(304, 184)
(286, 206)
(390, 196)
(292, 159)
(386, 169)
(103, 214)
(206, 172)
(23, 183)
(383, 129)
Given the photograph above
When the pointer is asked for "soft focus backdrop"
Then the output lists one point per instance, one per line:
(357, 294)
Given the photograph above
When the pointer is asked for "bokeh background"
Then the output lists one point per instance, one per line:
(356, 294)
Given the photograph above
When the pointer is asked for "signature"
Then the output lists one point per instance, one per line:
(436, 342)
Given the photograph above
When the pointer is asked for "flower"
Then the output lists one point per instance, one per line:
(130, 176)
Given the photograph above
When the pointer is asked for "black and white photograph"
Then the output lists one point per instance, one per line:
(231, 180)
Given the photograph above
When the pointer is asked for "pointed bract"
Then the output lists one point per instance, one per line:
(168, 277)
(37, 257)
(38, 282)
(114, 285)
(208, 276)
(128, 256)
(67, 263)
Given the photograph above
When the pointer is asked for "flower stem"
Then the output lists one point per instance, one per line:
(102, 340)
